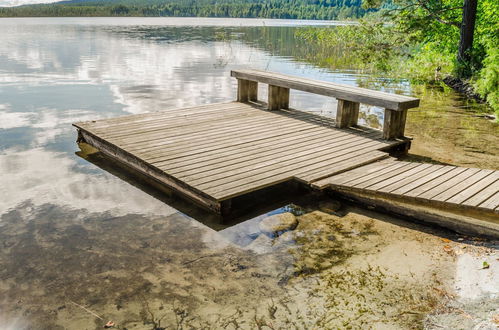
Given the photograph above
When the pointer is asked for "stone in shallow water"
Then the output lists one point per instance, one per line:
(331, 206)
(278, 223)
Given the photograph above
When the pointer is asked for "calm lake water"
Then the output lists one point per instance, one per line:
(82, 243)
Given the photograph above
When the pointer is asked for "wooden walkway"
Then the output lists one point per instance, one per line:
(426, 184)
(216, 152)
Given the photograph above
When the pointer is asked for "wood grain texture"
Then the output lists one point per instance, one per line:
(450, 187)
(340, 91)
(222, 151)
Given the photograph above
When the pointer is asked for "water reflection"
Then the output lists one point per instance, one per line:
(73, 232)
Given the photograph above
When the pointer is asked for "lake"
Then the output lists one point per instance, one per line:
(82, 242)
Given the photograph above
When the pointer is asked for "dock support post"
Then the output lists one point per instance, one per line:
(252, 91)
(278, 98)
(347, 113)
(247, 90)
(394, 124)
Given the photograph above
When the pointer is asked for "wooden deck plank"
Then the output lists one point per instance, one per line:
(217, 187)
(491, 203)
(359, 176)
(435, 182)
(318, 173)
(220, 127)
(400, 179)
(149, 116)
(249, 167)
(437, 170)
(256, 155)
(235, 113)
(387, 175)
(350, 175)
(345, 163)
(230, 152)
(274, 119)
(449, 184)
(483, 195)
(475, 188)
(462, 185)
(410, 179)
(169, 124)
(179, 147)
(224, 142)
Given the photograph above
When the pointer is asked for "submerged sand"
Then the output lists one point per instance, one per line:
(353, 269)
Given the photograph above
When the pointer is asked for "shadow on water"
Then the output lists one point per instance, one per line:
(272, 199)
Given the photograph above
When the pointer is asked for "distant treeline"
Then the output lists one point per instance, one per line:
(286, 9)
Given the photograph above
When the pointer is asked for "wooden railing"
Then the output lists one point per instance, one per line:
(349, 98)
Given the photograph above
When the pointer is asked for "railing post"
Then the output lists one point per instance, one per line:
(284, 97)
(242, 90)
(247, 90)
(394, 124)
(278, 98)
(252, 91)
(347, 113)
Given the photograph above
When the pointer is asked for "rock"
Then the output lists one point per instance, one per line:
(330, 206)
(277, 224)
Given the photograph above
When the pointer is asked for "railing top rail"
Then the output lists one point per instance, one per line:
(340, 91)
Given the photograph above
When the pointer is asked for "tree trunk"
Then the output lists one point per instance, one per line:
(467, 30)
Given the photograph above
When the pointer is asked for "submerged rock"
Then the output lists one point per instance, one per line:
(330, 206)
(277, 224)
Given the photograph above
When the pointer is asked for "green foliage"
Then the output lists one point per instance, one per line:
(285, 9)
(419, 41)
(487, 82)
(371, 43)
(426, 64)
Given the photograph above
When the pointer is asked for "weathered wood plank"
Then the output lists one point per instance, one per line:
(261, 154)
(428, 168)
(438, 171)
(281, 143)
(327, 170)
(475, 188)
(393, 124)
(383, 177)
(435, 182)
(483, 195)
(347, 113)
(344, 92)
(462, 185)
(491, 203)
(259, 164)
(448, 184)
(399, 179)
(350, 175)
(360, 176)
(242, 90)
(342, 163)
(216, 187)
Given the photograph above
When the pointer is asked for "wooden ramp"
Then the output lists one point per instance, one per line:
(216, 152)
(442, 187)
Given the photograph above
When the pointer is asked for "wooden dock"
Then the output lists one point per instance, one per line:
(221, 151)
(216, 152)
(446, 186)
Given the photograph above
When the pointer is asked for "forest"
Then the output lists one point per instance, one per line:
(294, 9)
